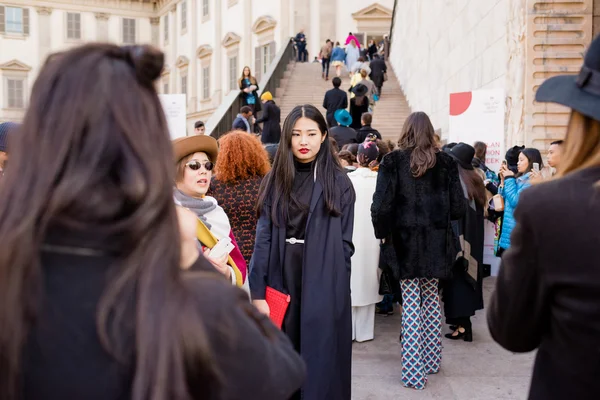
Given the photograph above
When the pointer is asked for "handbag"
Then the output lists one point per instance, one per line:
(278, 304)
(385, 77)
(498, 202)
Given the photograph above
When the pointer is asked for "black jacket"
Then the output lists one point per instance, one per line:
(335, 99)
(343, 135)
(64, 359)
(378, 69)
(271, 116)
(416, 214)
(257, 106)
(365, 131)
(548, 290)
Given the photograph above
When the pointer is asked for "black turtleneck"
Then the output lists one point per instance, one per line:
(300, 199)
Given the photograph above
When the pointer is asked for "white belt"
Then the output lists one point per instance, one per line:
(294, 241)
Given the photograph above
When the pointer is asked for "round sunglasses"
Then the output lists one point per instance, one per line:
(196, 165)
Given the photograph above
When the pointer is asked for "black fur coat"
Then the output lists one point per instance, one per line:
(415, 214)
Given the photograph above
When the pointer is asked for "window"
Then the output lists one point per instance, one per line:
(206, 82)
(128, 30)
(184, 86)
(14, 20)
(73, 26)
(183, 15)
(205, 8)
(266, 58)
(233, 73)
(165, 88)
(16, 93)
(166, 24)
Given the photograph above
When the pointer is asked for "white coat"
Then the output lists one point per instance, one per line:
(364, 278)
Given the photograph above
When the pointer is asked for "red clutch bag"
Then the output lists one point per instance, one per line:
(278, 304)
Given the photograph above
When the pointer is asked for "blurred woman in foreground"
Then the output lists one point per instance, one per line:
(93, 302)
(548, 290)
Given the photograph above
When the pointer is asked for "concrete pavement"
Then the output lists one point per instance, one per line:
(480, 370)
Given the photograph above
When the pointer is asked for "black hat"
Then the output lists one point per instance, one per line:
(360, 90)
(463, 154)
(512, 155)
(581, 93)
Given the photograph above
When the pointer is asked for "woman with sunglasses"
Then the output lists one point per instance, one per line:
(303, 249)
(195, 157)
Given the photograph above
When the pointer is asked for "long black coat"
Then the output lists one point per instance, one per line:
(378, 69)
(417, 212)
(548, 290)
(326, 338)
(335, 99)
(271, 117)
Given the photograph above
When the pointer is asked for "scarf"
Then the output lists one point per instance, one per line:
(199, 206)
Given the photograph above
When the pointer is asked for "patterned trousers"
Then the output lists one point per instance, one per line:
(421, 331)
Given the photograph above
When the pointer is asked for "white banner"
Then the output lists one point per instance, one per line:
(479, 116)
(175, 111)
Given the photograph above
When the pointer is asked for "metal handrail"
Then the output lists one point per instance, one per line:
(221, 120)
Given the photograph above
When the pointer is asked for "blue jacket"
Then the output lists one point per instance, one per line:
(510, 192)
(338, 54)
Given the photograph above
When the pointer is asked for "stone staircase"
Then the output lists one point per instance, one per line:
(303, 84)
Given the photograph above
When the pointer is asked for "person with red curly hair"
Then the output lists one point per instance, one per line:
(243, 162)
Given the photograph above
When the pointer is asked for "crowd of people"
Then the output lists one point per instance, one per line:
(132, 266)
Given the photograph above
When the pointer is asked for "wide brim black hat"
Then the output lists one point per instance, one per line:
(360, 90)
(463, 154)
(582, 92)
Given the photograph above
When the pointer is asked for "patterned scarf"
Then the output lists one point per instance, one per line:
(198, 206)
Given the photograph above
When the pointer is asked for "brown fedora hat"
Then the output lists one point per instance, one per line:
(185, 146)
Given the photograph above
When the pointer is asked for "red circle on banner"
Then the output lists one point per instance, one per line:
(460, 102)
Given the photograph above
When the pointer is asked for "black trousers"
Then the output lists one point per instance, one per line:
(325, 63)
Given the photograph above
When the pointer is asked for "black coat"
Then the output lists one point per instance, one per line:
(256, 106)
(271, 117)
(327, 312)
(548, 290)
(63, 357)
(343, 135)
(378, 69)
(417, 212)
(356, 111)
(335, 99)
(365, 131)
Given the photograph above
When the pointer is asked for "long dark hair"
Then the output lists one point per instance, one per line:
(474, 184)
(94, 154)
(276, 187)
(533, 156)
(418, 136)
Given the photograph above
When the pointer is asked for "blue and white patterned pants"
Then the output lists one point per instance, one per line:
(421, 331)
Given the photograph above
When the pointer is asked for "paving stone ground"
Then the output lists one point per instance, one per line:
(480, 370)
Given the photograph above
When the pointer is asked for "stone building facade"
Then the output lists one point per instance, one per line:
(206, 42)
(440, 47)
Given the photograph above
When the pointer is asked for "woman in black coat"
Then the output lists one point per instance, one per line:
(249, 87)
(548, 291)
(463, 293)
(418, 194)
(303, 249)
(271, 117)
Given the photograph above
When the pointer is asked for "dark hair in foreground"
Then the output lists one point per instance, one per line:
(276, 187)
(418, 136)
(108, 166)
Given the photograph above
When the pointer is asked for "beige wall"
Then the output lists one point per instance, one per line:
(441, 47)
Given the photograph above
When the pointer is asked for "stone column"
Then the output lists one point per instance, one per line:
(173, 39)
(193, 75)
(284, 25)
(515, 74)
(102, 26)
(45, 32)
(155, 31)
(557, 35)
(217, 71)
(247, 35)
(314, 41)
